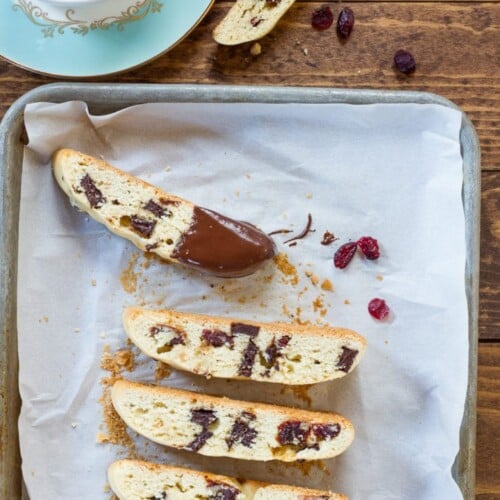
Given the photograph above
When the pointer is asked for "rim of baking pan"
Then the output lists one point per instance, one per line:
(105, 98)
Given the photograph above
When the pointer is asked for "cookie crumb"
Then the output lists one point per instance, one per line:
(286, 268)
(93, 282)
(379, 277)
(256, 49)
(327, 285)
(346, 302)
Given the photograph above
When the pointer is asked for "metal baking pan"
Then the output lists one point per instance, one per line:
(106, 98)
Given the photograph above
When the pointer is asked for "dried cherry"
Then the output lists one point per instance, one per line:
(344, 254)
(345, 22)
(322, 18)
(369, 247)
(378, 308)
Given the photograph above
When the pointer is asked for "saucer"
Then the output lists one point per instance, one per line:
(67, 51)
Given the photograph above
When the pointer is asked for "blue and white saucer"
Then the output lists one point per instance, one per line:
(67, 44)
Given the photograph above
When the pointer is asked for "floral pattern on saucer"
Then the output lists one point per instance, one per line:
(50, 26)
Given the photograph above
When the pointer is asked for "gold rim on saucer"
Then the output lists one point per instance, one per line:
(50, 26)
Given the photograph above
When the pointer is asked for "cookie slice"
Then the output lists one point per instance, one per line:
(249, 20)
(222, 427)
(215, 346)
(159, 222)
(137, 480)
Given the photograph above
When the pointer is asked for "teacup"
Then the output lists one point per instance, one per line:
(82, 16)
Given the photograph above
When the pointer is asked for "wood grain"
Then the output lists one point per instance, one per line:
(489, 297)
(488, 423)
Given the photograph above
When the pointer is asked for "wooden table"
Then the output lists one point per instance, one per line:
(456, 45)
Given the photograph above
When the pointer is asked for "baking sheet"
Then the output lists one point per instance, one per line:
(349, 396)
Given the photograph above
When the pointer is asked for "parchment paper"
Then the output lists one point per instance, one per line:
(389, 171)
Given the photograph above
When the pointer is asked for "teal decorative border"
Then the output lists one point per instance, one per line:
(49, 26)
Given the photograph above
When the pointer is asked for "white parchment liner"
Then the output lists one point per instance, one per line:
(390, 171)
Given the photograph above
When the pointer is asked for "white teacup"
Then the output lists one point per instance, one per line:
(81, 16)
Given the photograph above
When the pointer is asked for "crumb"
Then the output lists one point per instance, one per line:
(309, 196)
(237, 193)
(306, 51)
(77, 330)
(125, 358)
(314, 279)
(93, 282)
(128, 277)
(106, 488)
(317, 304)
(46, 319)
(74, 425)
(327, 285)
(256, 49)
(346, 302)
(102, 335)
(386, 342)
(286, 268)
(268, 278)
(167, 169)
(379, 277)
(248, 176)
(113, 424)
(161, 371)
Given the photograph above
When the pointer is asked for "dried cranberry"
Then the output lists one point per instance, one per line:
(293, 432)
(217, 338)
(322, 18)
(325, 431)
(378, 308)
(404, 62)
(344, 254)
(244, 329)
(345, 22)
(369, 247)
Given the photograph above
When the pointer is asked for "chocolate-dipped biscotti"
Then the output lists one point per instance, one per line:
(159, 222)
(137, 480)
(222, 427)
(214, 346)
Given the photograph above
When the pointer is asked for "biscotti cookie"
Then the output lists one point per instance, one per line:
(159, 222)
(230, 348)
(218, 427)
(137, 480)
(249, 20)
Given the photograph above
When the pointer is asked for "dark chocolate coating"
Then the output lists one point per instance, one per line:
(224, 247)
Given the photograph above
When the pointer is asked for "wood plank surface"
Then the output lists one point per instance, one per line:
(457, 48)
(488, 423)
(489, 296)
